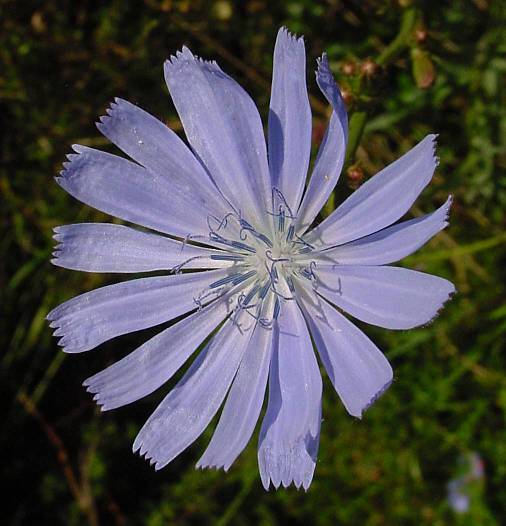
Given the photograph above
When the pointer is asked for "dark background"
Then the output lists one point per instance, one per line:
(441, 69)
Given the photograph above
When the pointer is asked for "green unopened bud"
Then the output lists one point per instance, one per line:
(422, 67)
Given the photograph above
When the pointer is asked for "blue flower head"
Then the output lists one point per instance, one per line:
(229, 218)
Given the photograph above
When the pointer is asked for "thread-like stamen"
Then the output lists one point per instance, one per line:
(190, 237)
(309, 274)
(233, 319)
(243, 246)
(204, 295)
(273, 273)
(243, 277)
(270, 257)
(185, 241)
(339, 287)
(246, 227)
(281, 257)
(213, 236)
(281, 219)
(274, 277)
(244, 300)
(265, 323)
(306, 274)
(177, 268)
(264, 290)
(226, 257)
(279, 194)
(276, 214)
(227, 279)
(233, 244)
(277, 308)
(243, 303)
(291, 231)
(221, 223)
(300, 241)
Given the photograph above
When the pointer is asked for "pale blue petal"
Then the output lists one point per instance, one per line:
(126, 190)
(330, 159)
(289, 119)
(243, 405)
(382, 200)
(97, 316)
(156, 147)
(390, 297)
(290, 433)
(224, 129)
(391, 244)
(358, 370)
(154, 362)
(187, 410)
(105, 247)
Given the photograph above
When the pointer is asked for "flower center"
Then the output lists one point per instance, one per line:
(264, 265)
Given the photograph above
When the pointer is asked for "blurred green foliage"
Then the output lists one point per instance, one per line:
(407, 69)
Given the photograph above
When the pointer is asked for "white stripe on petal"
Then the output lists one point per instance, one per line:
(290, 433)
(152, 144)
(359, 371)
(97, 316)
(330, 159)
(187, 410)
(388, 245)
(153, 363)
(390, 297)
(243, 404)
(289, 119)
(223, 127)
(105, 247)
(380, 201)
(126, 190)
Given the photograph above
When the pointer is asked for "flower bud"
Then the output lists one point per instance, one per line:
(355, 176)
(423, 69)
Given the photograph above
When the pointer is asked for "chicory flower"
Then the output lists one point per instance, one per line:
(231, 220)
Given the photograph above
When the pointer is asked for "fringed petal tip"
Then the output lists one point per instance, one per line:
(138, 448)
(267, 482)
(452, 291)
(97, 395)
(184, 57)
(55, 260)
(68, 344)
(149, 456)
(323, 65)
(376, 397)
(103, 120)
(432, 138)
(327, 82)
(446, 208)
(292, 465)
(72, 159)
(211, 465)
(59, 331)
(332, 92)
(288, 37)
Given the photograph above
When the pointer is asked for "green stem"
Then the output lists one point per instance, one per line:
(395, 48)
(402, 40)
(357, 125)
(359, 118)
(356, 129)
(235, 505)
(472, 248)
